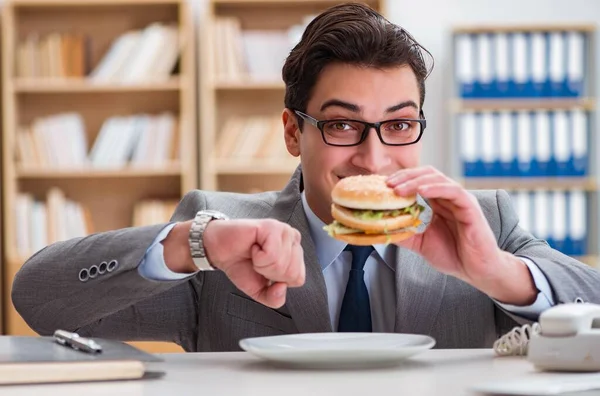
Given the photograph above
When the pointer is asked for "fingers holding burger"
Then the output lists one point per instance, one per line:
(368, 212)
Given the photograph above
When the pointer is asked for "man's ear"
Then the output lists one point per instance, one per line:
(291, 132)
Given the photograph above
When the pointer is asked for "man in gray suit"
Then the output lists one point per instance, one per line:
(470, 276)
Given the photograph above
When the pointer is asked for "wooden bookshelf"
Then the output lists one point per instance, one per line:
(243, 93)
(149, 97)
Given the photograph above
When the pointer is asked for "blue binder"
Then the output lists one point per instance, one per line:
(562, 143)
(578, 224)
(518, 86)
(485, 60)
(465, 64)
(525, 144)
(576, 69)
(507, 164)
(579, 127)
(469, 145)
(543, 164)
(501, 62)
(557, 76)
(538, 63)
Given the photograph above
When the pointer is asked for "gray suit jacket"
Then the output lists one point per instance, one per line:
(206, 312)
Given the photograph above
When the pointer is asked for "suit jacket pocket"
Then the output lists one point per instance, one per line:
(252, 311)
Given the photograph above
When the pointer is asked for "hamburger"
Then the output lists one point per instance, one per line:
(367, 212)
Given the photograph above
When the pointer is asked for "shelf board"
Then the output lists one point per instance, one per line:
(243, 85)
(37, 173)
(255, 167)
(79, 3)
(530, 183)
(465, 105)
(21, 85)
(508, 28)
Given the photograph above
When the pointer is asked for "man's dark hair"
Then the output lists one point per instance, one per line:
(350, 33)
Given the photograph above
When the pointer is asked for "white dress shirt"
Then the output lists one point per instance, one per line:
(335, 263)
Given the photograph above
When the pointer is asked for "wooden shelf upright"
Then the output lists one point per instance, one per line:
(50, 51)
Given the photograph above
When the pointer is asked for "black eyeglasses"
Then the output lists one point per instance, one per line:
(342, 132)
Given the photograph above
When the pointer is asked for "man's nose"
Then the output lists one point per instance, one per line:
(372, 154)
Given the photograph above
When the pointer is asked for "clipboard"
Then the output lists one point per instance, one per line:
(31, 360)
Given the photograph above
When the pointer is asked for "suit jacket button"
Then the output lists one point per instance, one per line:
(84, 275)
(112, 265)
(93, 271)
(102, 268)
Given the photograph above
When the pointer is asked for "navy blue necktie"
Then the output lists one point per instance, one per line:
(355, 314)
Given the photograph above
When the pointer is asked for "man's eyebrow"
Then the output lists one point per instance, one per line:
(340, 103)
(408, 103)
(357, 109)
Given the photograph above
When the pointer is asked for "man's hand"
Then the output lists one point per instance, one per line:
(261, 257)
(459, 240)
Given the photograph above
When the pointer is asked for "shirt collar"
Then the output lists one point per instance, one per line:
(328, 249)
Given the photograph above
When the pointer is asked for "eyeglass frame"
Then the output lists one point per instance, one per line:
(368, 126)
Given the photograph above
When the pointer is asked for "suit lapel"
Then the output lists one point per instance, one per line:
(307, 304)
(419, 289)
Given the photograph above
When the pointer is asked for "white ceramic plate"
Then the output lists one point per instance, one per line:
(338, 350)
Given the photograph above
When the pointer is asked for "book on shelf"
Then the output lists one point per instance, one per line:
(153, 211)
(54, 55)
(253, 138)
(558, 217)
(60, 141)
(251, 54)
(40, 223)
(136, 56)
(521, 64)
(537, 143)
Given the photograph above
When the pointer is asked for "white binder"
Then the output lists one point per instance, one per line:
(489, 147)
(576, 64)
(507, 152)
(465, 64)
(543, 144)
(559, 220)
(519, 63)
(502, 70)
(557, 72)
(561, 143)
(579, 129)
(577, 233)
(525, 143)
(483, 80)
(539, 64)
(469, 145)
(541, 205)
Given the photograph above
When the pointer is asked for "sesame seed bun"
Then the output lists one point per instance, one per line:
(368, 192)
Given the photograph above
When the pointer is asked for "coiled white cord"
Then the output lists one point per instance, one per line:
(515, 342)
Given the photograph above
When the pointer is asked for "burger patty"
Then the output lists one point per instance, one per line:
(370, 214)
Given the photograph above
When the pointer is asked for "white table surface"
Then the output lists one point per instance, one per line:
(435, 372)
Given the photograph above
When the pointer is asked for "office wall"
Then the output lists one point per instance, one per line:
(431, 21)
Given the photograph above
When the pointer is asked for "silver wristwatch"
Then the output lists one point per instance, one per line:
(195, 237)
